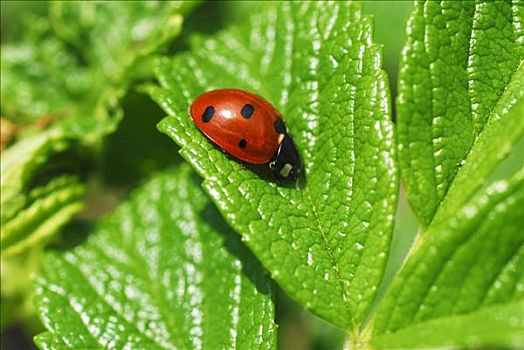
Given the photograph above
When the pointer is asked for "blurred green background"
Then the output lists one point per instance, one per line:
(298, 329)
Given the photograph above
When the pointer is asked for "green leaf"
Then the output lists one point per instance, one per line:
(460, 113)
(44, 214)
(465, 265)
(43, 77)
(40, 78)
(64, 106)
(39, 192)
(113, 35)
(493, 327)
(42, 189)
(498, 139)
(163, 271)
(461, 75)
(325, 242)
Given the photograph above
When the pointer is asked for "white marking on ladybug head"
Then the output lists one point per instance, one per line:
(286, 169)
(280, 138)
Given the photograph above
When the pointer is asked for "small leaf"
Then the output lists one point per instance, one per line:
(464, 265)
(113, 35)
(326, 242)
(461, 75)
(163, 271)
(40, 78)
(44, 215)
(34, 207)
(494, 327)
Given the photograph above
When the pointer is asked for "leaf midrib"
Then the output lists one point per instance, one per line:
(334, 263)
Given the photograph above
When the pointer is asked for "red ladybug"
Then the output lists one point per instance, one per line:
(249, 128)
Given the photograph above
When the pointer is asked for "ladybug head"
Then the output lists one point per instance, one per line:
(286, 163)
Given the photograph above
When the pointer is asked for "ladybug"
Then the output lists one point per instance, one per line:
(248, 128)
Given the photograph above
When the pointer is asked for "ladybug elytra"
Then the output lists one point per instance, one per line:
(249, 128)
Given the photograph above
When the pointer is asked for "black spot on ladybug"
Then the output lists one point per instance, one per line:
(247, 111)
(208, 114)
(242, 143)
(279, 125)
